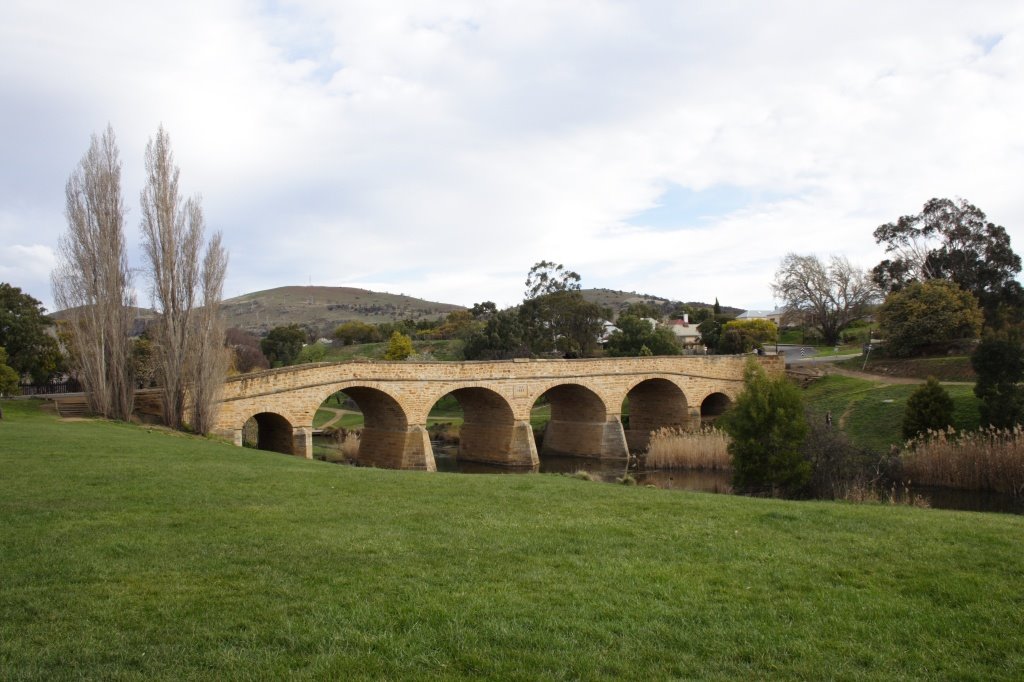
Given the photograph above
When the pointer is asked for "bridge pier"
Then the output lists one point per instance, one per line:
(396, 449)
(505, 445)
(604, 440)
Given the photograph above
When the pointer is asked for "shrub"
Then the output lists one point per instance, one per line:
(999, 363)
(928, 315)
(929, 408)
(767, 427)
(399, 347)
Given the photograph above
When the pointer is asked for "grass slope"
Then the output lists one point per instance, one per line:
(871, 413)
(944, 368)
(128, 553)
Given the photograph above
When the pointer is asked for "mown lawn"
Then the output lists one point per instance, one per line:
(871, 413)
(134, 553)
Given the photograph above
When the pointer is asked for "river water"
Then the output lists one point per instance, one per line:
(610, 470)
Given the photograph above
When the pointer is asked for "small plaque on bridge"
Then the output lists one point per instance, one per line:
(519, 391)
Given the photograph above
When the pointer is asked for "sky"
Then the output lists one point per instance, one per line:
(441, 148)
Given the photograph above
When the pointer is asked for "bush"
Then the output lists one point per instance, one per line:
(767, 427)
(928, 316)
(399, 347)
(929, 408)
(999, 363)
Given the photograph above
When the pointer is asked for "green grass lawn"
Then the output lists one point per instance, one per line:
(872, 412)
(943, 368)
(135, 553)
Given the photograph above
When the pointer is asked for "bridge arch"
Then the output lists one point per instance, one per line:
(490, 432)
(654, 403)
(713, 406)
(269, 431)
(387, 438)
(580, 424)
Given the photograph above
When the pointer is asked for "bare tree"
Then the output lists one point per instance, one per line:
(826, 297)
(209, 355)
(92, 281)
(172, 235)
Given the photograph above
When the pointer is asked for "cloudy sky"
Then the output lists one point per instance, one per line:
(440, 148)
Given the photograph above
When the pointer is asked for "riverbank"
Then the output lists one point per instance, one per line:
(131, 552)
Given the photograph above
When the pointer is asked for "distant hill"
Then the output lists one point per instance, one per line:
(618, 300)
(324, 308)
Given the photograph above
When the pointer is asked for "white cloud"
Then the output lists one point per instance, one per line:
(441, 148)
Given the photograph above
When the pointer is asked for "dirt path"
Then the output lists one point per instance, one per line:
(338, 414)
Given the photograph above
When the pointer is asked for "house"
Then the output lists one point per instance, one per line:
(773, 315)
(686, 333)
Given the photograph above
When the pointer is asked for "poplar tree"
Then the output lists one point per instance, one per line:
(92, 281)
(188, 341)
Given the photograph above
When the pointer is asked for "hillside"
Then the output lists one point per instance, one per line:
(324, 308)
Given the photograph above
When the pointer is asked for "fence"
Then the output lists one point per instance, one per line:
(50, 388)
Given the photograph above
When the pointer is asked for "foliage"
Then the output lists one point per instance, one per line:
(501, 338)
(8, 377)
(827, 298)
(399, 347)
(711, 331)
(927, 315)
(929, 408)
(767, 426)
(562, 321)
(283, 345)
(837, 465)
(483, 311)
(548, 277)
(641, 309)
(636, 334)
(23, 324)
(998, 362)
(952, 241)
(143, 362)
(313, 352)
(248, 355)
(458, 324)
(354, 331)
(743, 336)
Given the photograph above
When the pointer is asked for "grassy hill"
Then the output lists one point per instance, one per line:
(871, 412)
(324, 308)
(131, 553)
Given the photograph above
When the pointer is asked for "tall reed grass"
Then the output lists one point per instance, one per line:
(674, 448)
(988, 459)
(347, 445)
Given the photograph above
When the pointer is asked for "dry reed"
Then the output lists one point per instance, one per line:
(674, 448)
(989, 459)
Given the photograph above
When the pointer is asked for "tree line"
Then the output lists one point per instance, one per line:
(948, 283)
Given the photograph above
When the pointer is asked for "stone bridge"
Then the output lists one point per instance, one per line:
(586, 398)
